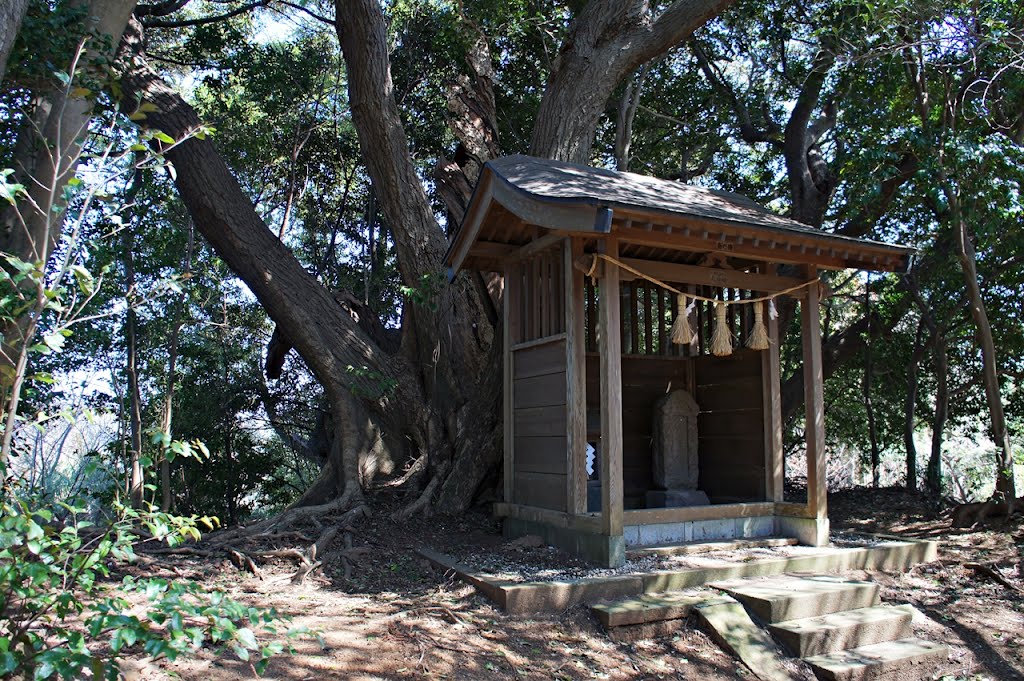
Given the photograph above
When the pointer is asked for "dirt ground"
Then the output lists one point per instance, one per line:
(395, 617)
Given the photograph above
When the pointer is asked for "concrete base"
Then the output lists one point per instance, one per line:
(598, 549)
(809, 531)
(674, 498)
(656, 534)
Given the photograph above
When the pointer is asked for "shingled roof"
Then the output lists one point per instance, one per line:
(569, 198)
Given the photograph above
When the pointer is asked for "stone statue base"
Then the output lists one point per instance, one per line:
(671, 498)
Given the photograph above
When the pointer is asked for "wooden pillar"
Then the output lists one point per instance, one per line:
(814, 401)
(575, 380)
(510, 323)
(774, 458)
(610, 350)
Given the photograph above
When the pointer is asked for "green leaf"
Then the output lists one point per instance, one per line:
(246, 638)
(84, 279)
(54, 341)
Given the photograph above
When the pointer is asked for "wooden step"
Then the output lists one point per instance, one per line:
(908, 658)
(697, 547)
(778, 599)
(652, 607)
(842, 630)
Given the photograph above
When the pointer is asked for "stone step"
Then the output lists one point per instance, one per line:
(908, 658)
(698, 547)
(842, 630)
(778, 599)
(650, 608)
(729, 623)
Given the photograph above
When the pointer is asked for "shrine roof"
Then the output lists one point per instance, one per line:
(519, 199)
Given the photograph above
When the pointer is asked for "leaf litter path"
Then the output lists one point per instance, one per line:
(398, 619)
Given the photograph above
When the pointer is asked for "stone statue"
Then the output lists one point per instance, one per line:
(674, 452)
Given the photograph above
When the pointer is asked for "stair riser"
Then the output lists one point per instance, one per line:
(806, 644)
(811, 605)
(919, 665)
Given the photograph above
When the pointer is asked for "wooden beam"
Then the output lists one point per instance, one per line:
(670, 272)
(788, 509)
(610, 350)
(472, 221)
(713, 244)
(510, 322)
(814, 401)
(538, 341)
(583, 523)
(491, 249)
(575, 381)
(536, 246)
(774, 457)
(682, 514)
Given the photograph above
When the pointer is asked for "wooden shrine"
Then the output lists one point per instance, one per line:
(615, 436)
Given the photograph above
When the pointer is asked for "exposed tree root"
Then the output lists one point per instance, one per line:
(228, 544)
(993, 573)
(972, 514)
(244, 562)
(422, 503)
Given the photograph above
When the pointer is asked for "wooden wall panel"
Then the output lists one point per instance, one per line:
(544, 390)
(538, 360)
(539, 425)
(730, 426)
(542, 490)
(544, 454)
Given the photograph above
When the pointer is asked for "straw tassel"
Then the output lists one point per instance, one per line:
(758, 338)
(682, 333)
(721, 341)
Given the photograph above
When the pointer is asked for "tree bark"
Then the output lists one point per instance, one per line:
(933, 478)
(167, 413)
(868, 406)
(910, 408)
(45, 165)
(12, 12)
(1005, 486)
(136, 481)
(811, 182)
(606, 42)
(628, 105)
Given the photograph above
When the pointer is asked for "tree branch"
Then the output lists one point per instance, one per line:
(184, 23)
(334, 347)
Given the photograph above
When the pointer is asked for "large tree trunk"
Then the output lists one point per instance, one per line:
(869, 407)
(336, 349)
(61, 118)
(933, 479)
(441, 391)
(135, 480)
(910, 408)
(1005, 486)
(606, 42)
(167, 413)
(12, 12)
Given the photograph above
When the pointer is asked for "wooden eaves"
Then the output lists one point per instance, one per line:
(522, 203)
